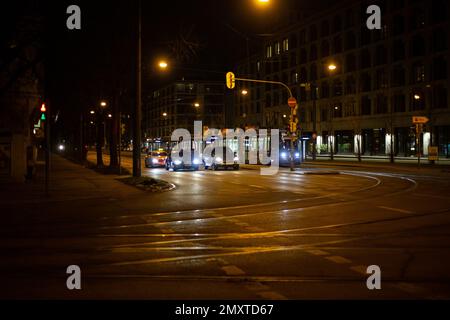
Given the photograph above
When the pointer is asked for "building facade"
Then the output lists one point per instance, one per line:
(357, 89)
(181, 103)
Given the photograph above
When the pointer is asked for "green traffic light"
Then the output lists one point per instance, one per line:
(43, 118)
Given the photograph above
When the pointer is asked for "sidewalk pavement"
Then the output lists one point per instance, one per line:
(68, 182)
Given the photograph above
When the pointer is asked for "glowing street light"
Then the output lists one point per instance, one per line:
(332, 67)
(263, 2)
(109, 115)
(416, 97)
(163, 65)
(244, 92)
(103, 104)
(164, 114)
(197, 105)
(92, 112)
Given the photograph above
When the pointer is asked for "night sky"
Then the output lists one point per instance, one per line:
(85, 66)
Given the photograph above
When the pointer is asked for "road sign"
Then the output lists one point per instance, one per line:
(292, 102)
(231, 80)
(420, 120)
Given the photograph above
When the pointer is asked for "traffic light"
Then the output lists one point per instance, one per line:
(231, 80)
(43, 112)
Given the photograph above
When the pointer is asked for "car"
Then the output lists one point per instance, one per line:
(221, 158)
(156, 159)
(179, 164)
(285, 157)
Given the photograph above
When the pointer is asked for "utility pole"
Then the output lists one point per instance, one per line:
(314, 119)
(138, 108)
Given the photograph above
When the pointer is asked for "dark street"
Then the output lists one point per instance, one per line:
(308, 234)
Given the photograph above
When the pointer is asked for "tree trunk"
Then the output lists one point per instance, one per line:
(100, 141)
(114, 132)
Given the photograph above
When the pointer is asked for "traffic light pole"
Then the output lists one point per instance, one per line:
(231, 86)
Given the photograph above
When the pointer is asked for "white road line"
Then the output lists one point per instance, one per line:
(359, 269)
(395, 209)
(317, 252)
(338, 259)
(233, 271)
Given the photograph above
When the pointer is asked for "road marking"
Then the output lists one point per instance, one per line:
(233, 271)
(255, 186)
(359, 269)
(318, 252)
(395, 209)
(167, 230)
(338, 259)
(270, 295)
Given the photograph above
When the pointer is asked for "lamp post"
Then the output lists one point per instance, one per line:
(138, 106)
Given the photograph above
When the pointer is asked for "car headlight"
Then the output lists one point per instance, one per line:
(297, 155)
(177, 162)
(219, 159)
(283, 155)
(155, 160)
(196, 161)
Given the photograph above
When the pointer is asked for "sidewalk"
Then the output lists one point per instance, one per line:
(68, 182)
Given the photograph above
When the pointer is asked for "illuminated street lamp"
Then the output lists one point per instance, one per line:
(163, 65)
(196, 104)
(109, 115)
(164, 114)
(244, 92)
(332, 67)
(92, 112)
(103, 104)
(263, 2)
(416, 97)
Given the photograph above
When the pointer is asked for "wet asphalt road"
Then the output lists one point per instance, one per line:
(235, 235)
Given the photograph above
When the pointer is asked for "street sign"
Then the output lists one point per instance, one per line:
(231, 80)
(292, 102)
(420, 120)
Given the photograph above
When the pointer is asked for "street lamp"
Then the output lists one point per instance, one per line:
(164, 114)
(197, 105)
(92, 112)
(332, 67)
(244, 92)
(103, 104)
(163, 65)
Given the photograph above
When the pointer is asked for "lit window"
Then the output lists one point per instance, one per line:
(286, 44)
(277, 48)
(269, 52)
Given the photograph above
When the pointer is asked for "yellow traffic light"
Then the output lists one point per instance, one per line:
(231, 80)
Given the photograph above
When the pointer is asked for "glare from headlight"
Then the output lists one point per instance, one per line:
(155, 160)
(196, 161)
(297, 155)
(218, 159)
(177, 162)
(236, 158)
(283, 155)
